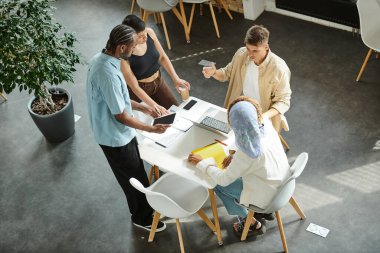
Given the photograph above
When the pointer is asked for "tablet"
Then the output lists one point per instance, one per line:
(167, 119)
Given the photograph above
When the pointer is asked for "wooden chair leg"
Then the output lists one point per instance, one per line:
(216, 216)
(155, 18)
(156, 218)
(184, 23)
(151, 172)
(159, 19)
(3, 96)
(226, 8)
(145, 15)
(156, 172)
(294, 204)
(142, 13)
(165, 30)
(177, 14)
(286, 146)
(248, 222)
(206, 220)
(214, 20)
(133, 6)
(180, 236)
(191, 17)
(282, 233)
(364, 64)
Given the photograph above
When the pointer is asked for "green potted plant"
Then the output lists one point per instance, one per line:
(35, 54)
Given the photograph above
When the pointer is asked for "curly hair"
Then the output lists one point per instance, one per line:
(254, 102)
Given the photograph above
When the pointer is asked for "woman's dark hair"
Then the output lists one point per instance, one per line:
(134, 22)
(120, 35)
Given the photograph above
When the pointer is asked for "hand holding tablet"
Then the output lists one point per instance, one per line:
(167, 119)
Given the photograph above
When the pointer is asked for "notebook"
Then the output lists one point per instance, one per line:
(214, 150)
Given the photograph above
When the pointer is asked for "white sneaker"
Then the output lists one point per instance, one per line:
(160, 226)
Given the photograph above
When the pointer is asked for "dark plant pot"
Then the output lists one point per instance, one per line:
(58, 126)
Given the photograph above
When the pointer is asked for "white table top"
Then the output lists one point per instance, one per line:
(174, 158)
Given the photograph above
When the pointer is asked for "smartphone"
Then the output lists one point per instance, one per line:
(190, 104)
(167, 119)
(206, 63)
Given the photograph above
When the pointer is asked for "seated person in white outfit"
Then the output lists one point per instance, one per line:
(257, 169)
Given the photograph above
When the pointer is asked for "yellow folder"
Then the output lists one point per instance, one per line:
(214, 150)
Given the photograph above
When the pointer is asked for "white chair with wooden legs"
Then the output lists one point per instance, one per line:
(211, 10)
(369, 28)
(3, 96)
(157, 6)
(175, 197)
(284, 195)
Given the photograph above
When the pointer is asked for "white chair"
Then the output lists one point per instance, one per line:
(369, 15)
(158, 6)
(211, 10)
(175, 197)
(284, 195)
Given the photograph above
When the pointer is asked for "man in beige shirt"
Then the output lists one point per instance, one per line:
(258, 73)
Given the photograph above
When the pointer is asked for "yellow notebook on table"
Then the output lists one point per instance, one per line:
(214, 150)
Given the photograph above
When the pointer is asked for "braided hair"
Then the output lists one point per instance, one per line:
(120, 35)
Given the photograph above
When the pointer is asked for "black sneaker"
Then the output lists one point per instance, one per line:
(160, 226)
(266, 216)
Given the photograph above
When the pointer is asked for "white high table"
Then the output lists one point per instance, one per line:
(173, 159)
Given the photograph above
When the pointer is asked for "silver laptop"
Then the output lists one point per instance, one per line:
(214, 120)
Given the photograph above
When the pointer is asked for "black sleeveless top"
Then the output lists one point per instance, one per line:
(144, 66)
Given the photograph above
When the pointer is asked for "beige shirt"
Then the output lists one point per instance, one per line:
(274, 82)
(261, 176)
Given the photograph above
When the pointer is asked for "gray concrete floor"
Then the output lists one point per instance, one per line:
(64, 197)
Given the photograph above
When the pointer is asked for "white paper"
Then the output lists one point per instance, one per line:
(76, 117)
(173, 108)
(165, 139)
(182, 124)
(318, 230)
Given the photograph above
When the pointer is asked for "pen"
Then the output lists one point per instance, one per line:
(220, 142)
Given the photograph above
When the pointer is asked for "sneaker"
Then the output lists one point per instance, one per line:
(266, 216)
(160, 226)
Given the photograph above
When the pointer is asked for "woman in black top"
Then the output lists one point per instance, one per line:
(142, 70)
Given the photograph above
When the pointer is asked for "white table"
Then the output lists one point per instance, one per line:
(173, 159)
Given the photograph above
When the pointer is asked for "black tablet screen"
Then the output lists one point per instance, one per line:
(167, 119)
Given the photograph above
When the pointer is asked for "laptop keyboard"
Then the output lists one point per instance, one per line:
(216, 124)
